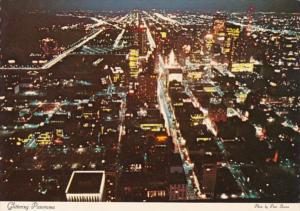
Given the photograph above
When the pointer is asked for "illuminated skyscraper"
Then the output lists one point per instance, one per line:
(232, 32)
(133, 62)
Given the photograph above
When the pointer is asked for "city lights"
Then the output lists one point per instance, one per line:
(150, 105)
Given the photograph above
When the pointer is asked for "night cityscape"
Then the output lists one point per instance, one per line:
(163, 103)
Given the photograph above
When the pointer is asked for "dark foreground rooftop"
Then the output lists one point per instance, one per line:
(86, 182)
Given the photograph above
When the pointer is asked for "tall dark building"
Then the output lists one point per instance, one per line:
(244, 45)
(147, 88)
(208, 182)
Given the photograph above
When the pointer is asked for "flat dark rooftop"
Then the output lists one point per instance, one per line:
(86, 182)
(175, 70)
(177, 178)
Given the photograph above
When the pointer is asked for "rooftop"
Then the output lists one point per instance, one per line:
(86, 182)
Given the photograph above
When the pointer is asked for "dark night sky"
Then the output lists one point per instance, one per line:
(202, 5)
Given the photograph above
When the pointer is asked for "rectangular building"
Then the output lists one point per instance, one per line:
(86, 186)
